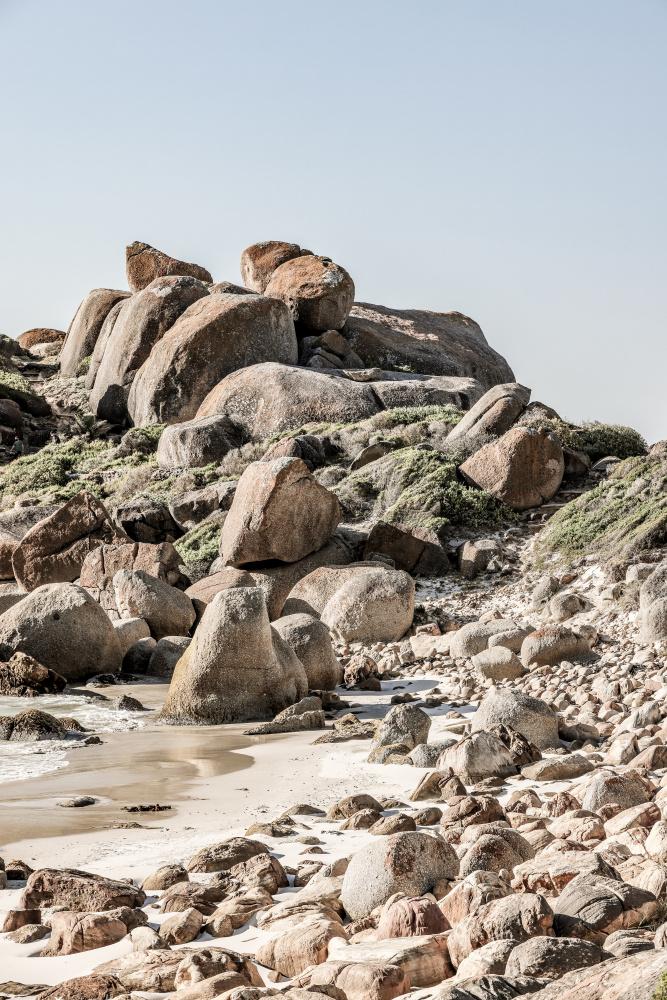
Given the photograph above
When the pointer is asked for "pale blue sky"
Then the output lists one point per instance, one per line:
(506, 158)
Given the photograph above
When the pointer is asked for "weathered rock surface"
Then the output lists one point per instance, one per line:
(259, 261)
(318, 293)
(143, 264)
(64, 629)
(429, 342)
(54, 550)
(215, 336)
(268, 398)
(236, 668)
(196, 442)
(531, 717)
(414, 550)
(412, 863)
(310, 640)
(78, 891)
(141, 324)
(166, 610)
(85, 327)
(493, 414)
(524, 468)
(279, 511)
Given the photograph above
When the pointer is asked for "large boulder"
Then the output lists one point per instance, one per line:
(166, 610)
(113, 316)
(142, 323)
(433, 343)
(146, 519)
(277, 581)
(54, 550)
(143, 264)
(64, 629)
(552, 957)
(515, 917)
(190, 509)
(524, 468)
(266, 399)
(102, 564)
(405, 724)
(359, 603)
(475, 637)
(531, 717)
(215, 336)
(86, 326)
(413, 863)
(318, 292)
(76, 890)
(415, 550)
(24, 677)
(591, 906)
(196, 442)
(236, 668)
(259, 261)
(310, 640)
(279, 511)
(15, 523)
(493, 414)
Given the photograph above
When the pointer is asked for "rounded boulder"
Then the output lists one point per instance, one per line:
(64, 629)
(318, 293)
(412, 863)
(310, 640)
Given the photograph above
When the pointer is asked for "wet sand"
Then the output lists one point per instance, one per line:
(152, 765)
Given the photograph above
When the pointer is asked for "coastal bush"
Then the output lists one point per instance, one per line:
(624, 515)
(200, 544)
(418, 487)
(594, 439)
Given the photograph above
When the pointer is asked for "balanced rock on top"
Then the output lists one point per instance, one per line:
(259, 261)
(279, 511)
(318, 293)
(143, 263)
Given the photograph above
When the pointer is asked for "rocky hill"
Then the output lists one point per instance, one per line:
(266, 496)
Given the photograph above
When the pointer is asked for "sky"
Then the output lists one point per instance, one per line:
(502, 158)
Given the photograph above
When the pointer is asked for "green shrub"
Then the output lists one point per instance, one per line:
(624, 515)
(594, 439)
(660, 992)
(200, 544)
(418, 487)
(34, 473)
(83, 366)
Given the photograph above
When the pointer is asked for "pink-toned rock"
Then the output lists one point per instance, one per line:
(279, 511)
(143, 264)
(259, 261)
(318, 293)
(101, 565)
(54, 550)
(213, 337)
(86, 326)
(524, 468)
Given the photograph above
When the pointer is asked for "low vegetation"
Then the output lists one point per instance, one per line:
(625, 515)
